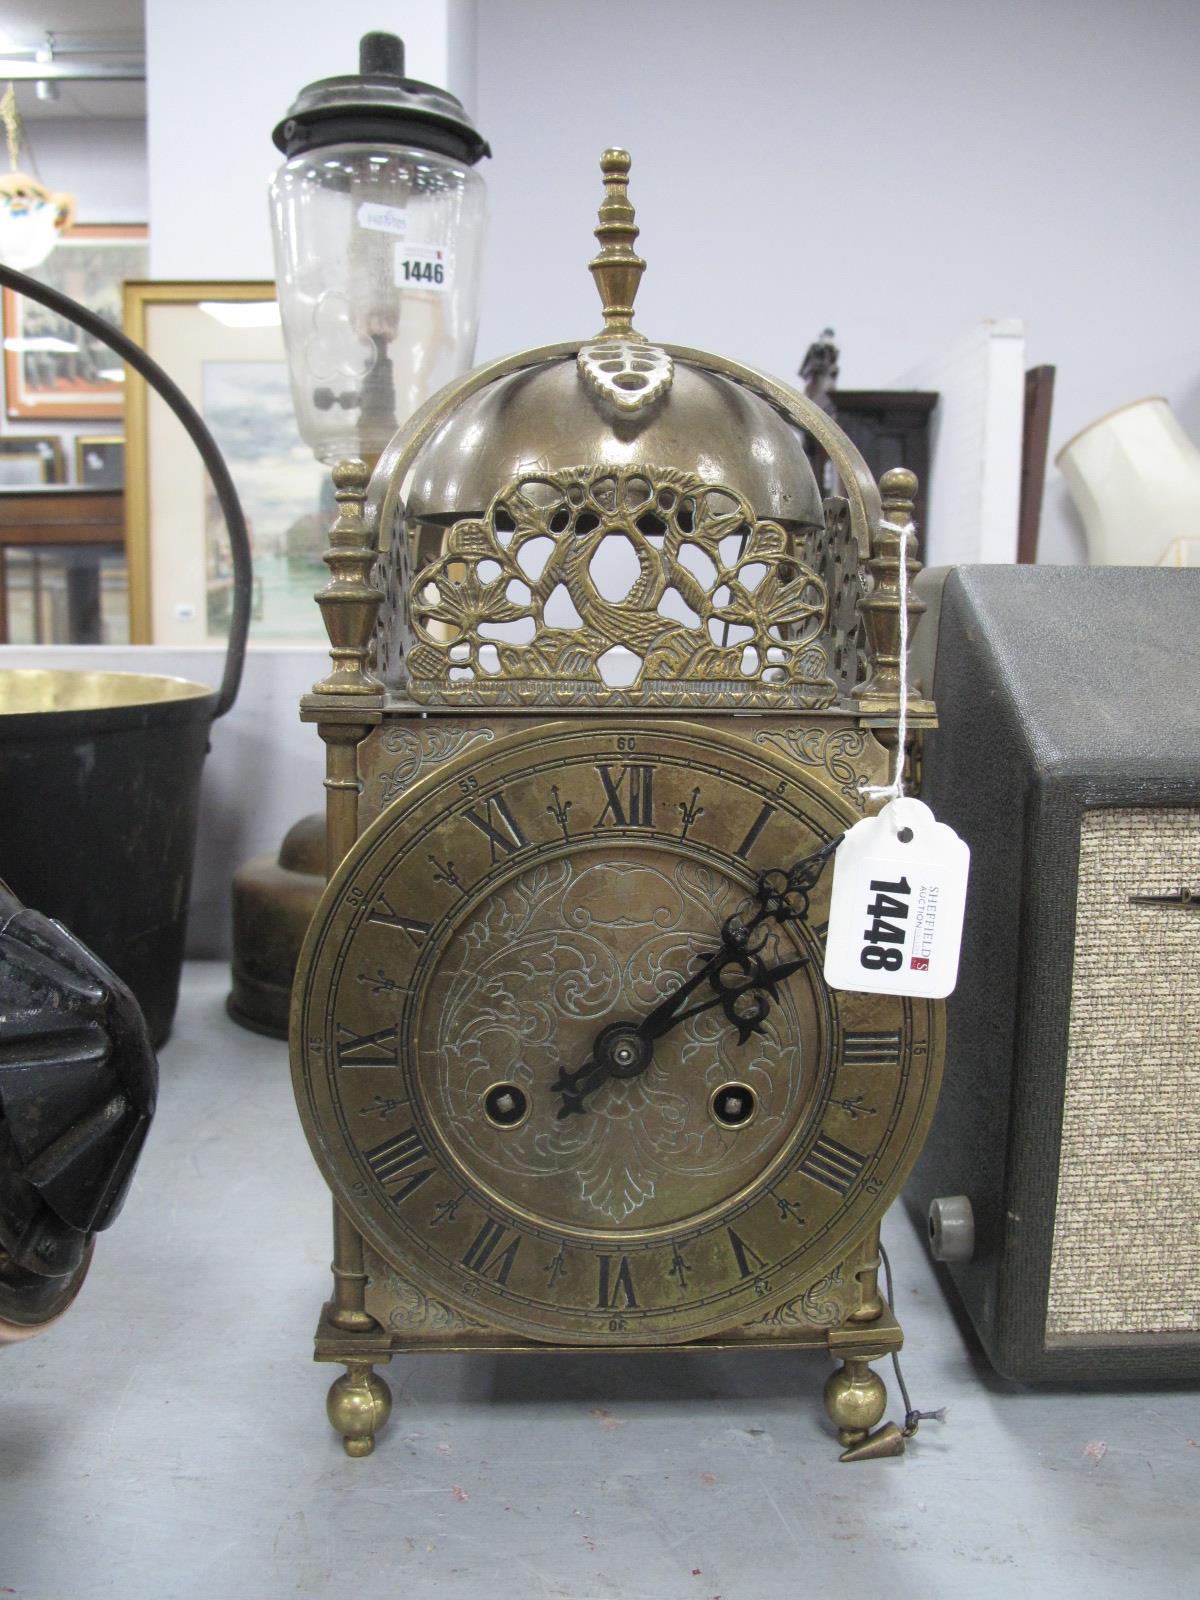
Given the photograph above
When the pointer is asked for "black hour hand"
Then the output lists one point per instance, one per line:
(576, 1086)
(620, 1051)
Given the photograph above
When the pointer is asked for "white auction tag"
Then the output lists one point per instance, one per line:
(424, 266)
(897, 902)
(382, 219)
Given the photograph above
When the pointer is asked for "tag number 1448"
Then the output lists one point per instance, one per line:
(884, 939)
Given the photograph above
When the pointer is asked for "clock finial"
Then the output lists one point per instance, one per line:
(618, 268)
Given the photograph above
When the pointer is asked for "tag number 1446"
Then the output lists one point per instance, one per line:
(885, 936)
(424, 272)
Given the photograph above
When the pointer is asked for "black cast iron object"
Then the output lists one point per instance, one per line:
(100, 773)
(99, 807)
(78, 1081)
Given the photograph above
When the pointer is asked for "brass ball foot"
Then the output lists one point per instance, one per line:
(855, 1398)
(358, 1405)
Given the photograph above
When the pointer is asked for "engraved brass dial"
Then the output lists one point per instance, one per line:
(521, 913)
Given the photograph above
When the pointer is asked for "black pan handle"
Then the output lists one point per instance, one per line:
(231, 509)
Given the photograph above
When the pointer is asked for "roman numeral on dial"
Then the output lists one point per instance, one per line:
(400, 1161)
(498, 826)
(614, 1289)
(872, 1049)
(382, 912)
(366, 1049)
(830, 1163)
(756, 827)
(492, 1251)
(749, 1262)
(629, 797)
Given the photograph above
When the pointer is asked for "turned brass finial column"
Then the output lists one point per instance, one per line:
(345, 705)
(349, 603)
(618, 268)
(880, 692)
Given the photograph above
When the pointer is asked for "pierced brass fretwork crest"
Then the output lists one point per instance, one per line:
(610, 587)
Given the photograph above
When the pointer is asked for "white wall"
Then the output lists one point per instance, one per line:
(219, 78)
(897, 171)
(101, 162)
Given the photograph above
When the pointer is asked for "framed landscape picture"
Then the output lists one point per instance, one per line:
(223, 346)
(53, 369)
(27, 460)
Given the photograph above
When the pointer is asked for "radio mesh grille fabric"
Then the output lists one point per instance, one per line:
(1126, 1255)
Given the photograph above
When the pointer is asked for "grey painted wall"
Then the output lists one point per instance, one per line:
(897, 171)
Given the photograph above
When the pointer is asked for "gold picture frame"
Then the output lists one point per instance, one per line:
(225, 351)
(28, 460)
(100, 460)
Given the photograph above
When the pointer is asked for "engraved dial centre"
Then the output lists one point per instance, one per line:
(552, 971)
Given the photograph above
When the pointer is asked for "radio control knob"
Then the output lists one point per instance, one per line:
(951, 1229)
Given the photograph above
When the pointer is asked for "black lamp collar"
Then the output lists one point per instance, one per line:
(379, 105)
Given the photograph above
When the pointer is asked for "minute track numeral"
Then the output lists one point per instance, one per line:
(367, 1049)
(629, 797)
(506, 835)
(383, 913)
(833, 1165)
(400, 1161)
(492, 1252)
(871, 1049)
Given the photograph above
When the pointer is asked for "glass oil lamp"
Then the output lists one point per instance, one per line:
(378, 217)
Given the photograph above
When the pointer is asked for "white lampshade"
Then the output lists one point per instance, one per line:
(1134, 476)
(31, 220)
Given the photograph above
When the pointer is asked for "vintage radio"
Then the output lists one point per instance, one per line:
(610, 681)
(1063, 1166)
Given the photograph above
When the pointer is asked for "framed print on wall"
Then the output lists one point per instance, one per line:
(100, 461)
(52, 369)
(223, 346)
(30, 459)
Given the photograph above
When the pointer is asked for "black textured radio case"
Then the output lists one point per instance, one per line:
(1058, 690)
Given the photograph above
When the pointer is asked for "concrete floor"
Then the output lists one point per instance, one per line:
(168, 1439)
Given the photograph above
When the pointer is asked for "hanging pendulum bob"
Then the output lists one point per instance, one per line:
(608, 681)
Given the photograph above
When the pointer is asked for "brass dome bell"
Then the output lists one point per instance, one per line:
(739, 587)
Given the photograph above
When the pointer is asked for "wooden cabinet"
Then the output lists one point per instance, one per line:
(58, 546)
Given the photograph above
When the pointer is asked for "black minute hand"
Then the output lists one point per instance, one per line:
(742, 1001)
(666, 1014)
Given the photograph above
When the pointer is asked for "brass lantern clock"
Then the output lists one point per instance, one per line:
(609, 680)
